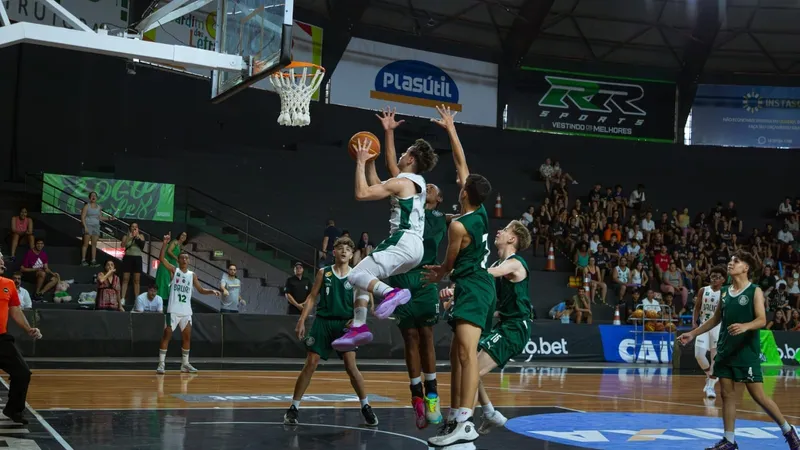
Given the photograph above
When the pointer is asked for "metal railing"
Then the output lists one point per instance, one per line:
(251, 229)
(112, 230)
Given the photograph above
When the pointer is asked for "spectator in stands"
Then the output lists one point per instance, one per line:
(364, 248)
(230, 286)
(672, 282)
(627, 307)
(329, 236)
(595, 276)
(621, 275)
(778, 322)
(24, 296)
(650, 303)
(670, 311)
(149, 301)
(582, 308)
(648, 226)
(546, 172)
(21, 227)
(560, 176)
(108, 295)
(297, 289)
(91, 216)
(163, 276)
(35, 268)
(785, 239)
(794, 321)
(563, 310)
(637, 199)
(767, 281)
(785, 209)
(133, 243)
(790, 257)
(527, 216)
(581, 259)
(603, 260)
(639, 276)
(662, 261)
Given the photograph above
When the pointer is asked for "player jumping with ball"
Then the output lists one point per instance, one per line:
(742, 313)
(403, 249)
(704, 306)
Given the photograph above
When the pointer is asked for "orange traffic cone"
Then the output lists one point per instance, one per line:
(551, 261)
(616, 317)
(498, 208)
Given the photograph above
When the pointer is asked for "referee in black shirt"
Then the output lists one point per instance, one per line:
(297, 289)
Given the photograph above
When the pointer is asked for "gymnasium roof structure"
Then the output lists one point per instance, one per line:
(689, 37)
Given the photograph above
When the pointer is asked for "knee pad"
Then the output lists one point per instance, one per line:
(700, 356)
(362, 275)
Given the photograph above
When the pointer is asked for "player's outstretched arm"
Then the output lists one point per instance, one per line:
(389, 124)
(203, 290)
(508, 267)
(446, 121)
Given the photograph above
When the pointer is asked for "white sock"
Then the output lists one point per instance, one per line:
(184, 357)
(415, 381)
(364, 402)
(296, 403)
(429, 376)
(359, 316)
(730, 436)
(785, 428)
(381, 289)
(162, 355)
(463, 414)
(713, 381)
(451, 415)
(488, 409)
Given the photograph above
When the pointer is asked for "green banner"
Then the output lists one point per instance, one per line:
(769, 349)
(125, 199)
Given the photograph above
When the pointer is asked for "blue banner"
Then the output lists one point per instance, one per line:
(746, 116)
(624, 343)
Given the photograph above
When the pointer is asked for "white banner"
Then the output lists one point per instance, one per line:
(113, 13)
(372, 75)
(198, 29)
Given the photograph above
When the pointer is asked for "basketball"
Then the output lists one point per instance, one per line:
(374, 144)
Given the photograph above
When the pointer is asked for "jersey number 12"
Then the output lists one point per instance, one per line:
(182, 298)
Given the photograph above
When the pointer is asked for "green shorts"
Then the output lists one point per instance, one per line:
(423, 309)
(475, 299)
(739, 374)
(322, 334)
(507, 340)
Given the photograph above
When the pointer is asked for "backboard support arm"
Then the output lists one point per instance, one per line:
(104, 44)
(3, 15)
(71, 20)
(169, 12)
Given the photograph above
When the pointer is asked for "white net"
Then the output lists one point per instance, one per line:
(296, 90)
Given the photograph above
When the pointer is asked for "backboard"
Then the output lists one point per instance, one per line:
(260, 31)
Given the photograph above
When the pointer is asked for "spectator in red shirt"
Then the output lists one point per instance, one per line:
(11, 360)
(35, 269)
(662, 260)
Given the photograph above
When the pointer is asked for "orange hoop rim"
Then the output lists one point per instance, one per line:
(297, 65)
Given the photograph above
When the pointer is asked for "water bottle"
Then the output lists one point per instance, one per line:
(564, 318)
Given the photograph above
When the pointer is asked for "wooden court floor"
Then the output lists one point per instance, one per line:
(64, 399)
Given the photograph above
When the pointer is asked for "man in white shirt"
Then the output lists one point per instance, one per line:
(648, 226)
(24, 295)
(785, 238)
(637, 198)
(651, 302)
(546, 171)
(231, 286)
(149, 302)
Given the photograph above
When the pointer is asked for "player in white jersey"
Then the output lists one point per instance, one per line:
(705, 304)
(179, 310)
(403, 249)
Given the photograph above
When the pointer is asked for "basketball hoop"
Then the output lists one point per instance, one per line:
(296, 83)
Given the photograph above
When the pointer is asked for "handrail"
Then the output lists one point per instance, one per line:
(252, 218)
(117, 228)
(302, 244)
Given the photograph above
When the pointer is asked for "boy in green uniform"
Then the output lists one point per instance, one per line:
(509, 337)
(742, 313)
(334, 311)
(474, 296)
(417, 318)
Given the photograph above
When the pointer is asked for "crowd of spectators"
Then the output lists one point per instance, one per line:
(618, 241)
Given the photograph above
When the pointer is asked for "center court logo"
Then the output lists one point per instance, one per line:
(416, 83)
(642, 431)
(543, 347)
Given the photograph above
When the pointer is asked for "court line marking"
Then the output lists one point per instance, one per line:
(576, 394)
(392, 433)
(44, 423)
(244, 408)
(559, 407)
